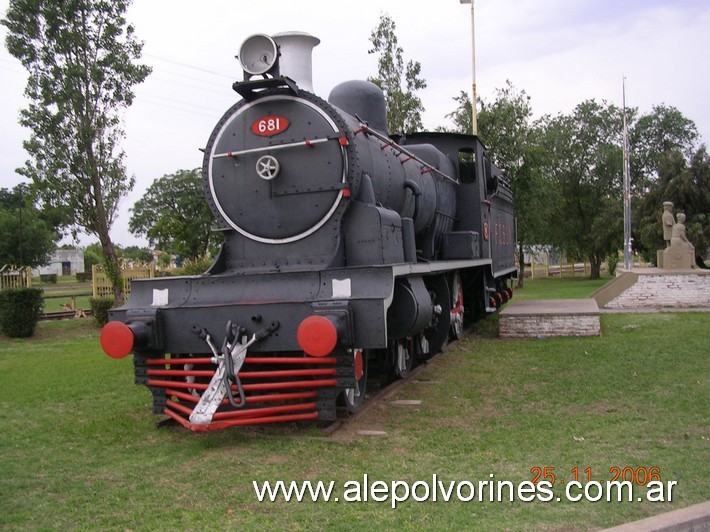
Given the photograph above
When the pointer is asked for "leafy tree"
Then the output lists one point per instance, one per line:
(164, 260)
(540, 159)
(512, 138)
(136, 253)
(687, 184)
(174, 215)
(91, 257)
(93, 254)
(585, 161)
(80, 55)
(26, 238)
(653, 137)
(397, 81)
(462, 116)
(666, 165)
(507, 129)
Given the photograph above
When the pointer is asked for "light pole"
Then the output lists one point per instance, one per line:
(474, 120)
(627, 188)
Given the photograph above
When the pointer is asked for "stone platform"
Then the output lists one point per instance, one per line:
(655, 288)
(551, 317)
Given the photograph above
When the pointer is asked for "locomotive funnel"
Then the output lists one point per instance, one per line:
(296, 49)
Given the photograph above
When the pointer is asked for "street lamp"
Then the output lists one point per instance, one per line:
(627, 188)
(474, 120)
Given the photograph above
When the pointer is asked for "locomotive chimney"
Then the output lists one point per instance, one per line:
(296, 57)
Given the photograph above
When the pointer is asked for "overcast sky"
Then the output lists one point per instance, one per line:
(560, 52)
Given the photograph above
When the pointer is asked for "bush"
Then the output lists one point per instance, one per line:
(20, 310)
(83, 277)
(48, 278)
(100, 307)
(612, 262)
(197, 266)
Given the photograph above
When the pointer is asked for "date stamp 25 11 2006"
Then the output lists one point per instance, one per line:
(581, 485)
(637, 475)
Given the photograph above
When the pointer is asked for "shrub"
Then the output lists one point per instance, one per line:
(48, 278)
(100, 307)
(20, 310)
(197, 266)
(612, 261)
(83, 277)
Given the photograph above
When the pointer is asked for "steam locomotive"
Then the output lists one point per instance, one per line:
(349, 255)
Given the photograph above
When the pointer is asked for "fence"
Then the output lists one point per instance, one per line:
(102, 287)
(582, 269)
(561, 270)
(13, 277)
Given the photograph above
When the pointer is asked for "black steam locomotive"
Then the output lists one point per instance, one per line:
(349, 254)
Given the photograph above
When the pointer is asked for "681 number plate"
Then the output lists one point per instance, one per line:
(266, 126)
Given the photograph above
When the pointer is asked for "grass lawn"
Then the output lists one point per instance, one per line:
(62, 280)
(556, 288)
(56, 303)
(79, 448)
(58, 294)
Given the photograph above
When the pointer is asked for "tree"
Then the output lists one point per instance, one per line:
(512, 140)
(666, 165)
(653, 136)
(397, 81)
(93, 255)
(462, 116)
(138, 254)
(585, 161)
(26, 237)
(80, 55)
(687, 184)
(174, 215)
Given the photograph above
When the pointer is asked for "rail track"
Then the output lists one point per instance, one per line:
(65, 315)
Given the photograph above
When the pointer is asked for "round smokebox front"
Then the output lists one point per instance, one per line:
(275, 169)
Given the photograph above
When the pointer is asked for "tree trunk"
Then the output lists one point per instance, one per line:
(595, 264)
(113, 269)
(521, 262)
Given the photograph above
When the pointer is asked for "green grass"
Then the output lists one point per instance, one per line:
(60, 294)
(62, 280)
(56, 303)
(556, 288)
(79, 448)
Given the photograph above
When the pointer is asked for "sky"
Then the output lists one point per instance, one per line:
(560, 52)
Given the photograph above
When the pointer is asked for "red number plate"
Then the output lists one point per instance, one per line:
(267, 126)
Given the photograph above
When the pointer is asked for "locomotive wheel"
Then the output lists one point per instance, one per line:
(353, 398)
(457, 308)
(437, 335)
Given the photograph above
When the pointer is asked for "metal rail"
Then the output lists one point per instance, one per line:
(63, 315)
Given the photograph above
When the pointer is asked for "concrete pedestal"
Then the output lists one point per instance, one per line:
(678, 258)
(552, 317)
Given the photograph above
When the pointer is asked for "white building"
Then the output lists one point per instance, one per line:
(63, 262)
